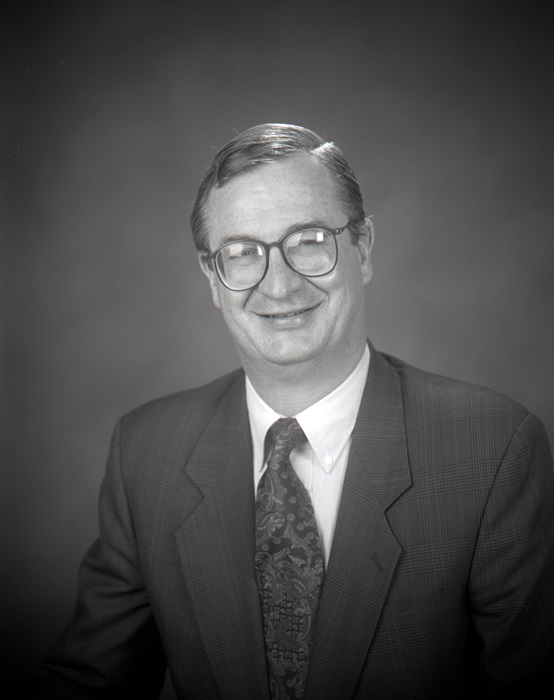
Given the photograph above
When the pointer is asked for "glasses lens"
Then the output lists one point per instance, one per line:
(312, 252)
(241, 264)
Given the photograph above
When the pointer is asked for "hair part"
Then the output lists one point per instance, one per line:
(267, 143)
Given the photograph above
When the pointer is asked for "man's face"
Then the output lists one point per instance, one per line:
(288, 319)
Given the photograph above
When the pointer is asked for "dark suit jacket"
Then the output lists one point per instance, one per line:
(441, 575)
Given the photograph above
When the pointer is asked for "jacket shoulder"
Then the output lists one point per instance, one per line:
(433, 396)
(184, 413)
(196, 398)
(452, 422)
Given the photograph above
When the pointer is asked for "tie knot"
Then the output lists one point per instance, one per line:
(286, 434)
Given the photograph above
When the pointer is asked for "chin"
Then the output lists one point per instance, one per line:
(289, 356)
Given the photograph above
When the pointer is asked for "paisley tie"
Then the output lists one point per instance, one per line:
(289, 564)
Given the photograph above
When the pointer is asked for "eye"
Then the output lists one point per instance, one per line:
(311, 236)
(309, 239)
(242, 251)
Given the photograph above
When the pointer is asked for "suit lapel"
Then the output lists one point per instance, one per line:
(365, 551)
(216, 544)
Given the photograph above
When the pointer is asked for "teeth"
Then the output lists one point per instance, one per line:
(293, 313)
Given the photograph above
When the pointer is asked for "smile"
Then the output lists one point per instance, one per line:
(287, 314)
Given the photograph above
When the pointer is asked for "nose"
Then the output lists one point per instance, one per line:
(280, 280)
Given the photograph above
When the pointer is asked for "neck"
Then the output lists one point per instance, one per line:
(292, 388)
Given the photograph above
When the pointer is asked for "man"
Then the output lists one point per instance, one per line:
(327, 522)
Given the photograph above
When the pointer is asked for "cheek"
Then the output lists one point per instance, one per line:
(346, 297)
(232, 307)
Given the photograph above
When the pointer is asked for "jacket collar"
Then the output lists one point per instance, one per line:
(365, 551)
(216, 542)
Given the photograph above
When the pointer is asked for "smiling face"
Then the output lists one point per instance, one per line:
(289, 321)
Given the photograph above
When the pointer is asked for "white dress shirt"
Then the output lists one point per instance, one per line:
(321, 463)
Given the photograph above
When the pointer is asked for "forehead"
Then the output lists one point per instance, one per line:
(271, 198)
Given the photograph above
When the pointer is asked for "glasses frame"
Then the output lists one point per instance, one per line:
(212, 262)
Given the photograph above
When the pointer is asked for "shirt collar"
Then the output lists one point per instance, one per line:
(328, 423)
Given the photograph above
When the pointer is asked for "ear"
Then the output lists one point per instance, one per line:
(364, 245)
(212, 278)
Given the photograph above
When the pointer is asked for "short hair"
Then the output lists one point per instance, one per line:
(267, 143)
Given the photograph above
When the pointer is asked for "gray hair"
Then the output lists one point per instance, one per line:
(267, 143)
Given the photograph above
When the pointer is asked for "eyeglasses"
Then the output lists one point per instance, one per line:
(243, 264)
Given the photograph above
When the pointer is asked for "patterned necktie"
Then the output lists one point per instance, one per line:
(289, 564)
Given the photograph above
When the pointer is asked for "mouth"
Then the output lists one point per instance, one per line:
(290, 314)
(287, 315)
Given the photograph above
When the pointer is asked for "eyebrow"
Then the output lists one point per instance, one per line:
(298, 226)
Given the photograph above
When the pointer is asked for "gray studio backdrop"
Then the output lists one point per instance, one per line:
(445, 111)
